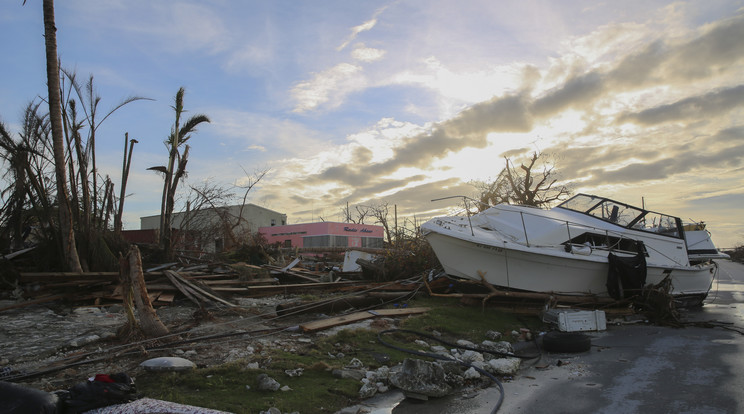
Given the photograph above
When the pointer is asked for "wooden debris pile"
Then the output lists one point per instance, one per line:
(206, 284)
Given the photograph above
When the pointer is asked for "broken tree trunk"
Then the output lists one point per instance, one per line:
(135, 291)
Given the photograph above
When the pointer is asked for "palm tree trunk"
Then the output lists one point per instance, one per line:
(69, 249)
(124, 177)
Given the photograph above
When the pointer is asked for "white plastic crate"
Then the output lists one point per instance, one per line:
(571, 320)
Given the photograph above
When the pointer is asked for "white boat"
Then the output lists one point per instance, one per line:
(567, 249)
(700, 247)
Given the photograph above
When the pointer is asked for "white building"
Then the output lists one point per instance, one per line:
(214, 229)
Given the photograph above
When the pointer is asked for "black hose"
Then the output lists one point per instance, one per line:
(445, 358)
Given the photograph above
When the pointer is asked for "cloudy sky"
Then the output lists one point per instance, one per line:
(406, 101)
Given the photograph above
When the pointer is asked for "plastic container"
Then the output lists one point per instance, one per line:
(571, 320)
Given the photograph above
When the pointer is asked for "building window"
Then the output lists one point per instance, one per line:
(288, 243)
(372, 242)
(273, 222)
(316, 241)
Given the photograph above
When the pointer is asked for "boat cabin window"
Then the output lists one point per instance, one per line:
(607, 242)
(624, 215)
(658, 223)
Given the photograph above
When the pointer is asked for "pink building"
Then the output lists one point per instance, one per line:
(324, 234)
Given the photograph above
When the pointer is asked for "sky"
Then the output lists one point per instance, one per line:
(407, 101)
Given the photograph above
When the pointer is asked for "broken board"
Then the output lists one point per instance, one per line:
(358, 316)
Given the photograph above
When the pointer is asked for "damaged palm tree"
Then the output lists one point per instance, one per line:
(174, 172)
(135, 297)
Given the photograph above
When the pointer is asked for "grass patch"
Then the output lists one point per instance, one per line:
(224, 388)
(317, 391)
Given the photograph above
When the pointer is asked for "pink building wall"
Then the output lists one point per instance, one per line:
(296, 233)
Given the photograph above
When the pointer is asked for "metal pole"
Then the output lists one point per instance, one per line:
(524, 227)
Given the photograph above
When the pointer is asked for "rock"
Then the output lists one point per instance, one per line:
(285, 388)
(504, 366)
(381, 374)
(272, 410)
(168, 364)
(493, 335)
(85, 340)
(297, 372)
(472, 373)
(348, 374)
(465, 343)
(368, 389)
(355, 364)
(422, 377)
(422, 344)
(115, 308)
(471, 356)
(266, 383)
(86, 311)
(382, 388)
(501, 347)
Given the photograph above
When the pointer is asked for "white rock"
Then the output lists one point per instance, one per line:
(463, 342)
(471, 373)
(471, 356)
(421, 343)
(368, 390)
(504, 366)
(168, 364)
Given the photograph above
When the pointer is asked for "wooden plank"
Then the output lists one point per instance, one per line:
(304, 286)
(358, 316)
(177, 283)
(166, 297)
(194, 288)
(33, 302)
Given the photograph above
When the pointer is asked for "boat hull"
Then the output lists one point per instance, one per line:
(557, 272)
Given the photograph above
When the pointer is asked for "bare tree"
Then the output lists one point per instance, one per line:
(380, 212)
(533, 184)
(359, 214)
(209, 214)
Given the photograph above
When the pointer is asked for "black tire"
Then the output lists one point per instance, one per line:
(566, 342)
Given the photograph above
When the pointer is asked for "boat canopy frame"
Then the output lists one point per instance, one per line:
(625, 215)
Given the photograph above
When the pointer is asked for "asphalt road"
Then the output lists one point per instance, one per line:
(638, 368)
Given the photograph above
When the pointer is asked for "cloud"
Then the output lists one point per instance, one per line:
(623, 159)
(329, 86)
(366, 26)
(255, 131)
(712, 104)
(717, 50)
(578, 92)
(723, 150)
(367, 54)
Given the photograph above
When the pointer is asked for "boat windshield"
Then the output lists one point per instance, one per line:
(624, 215)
